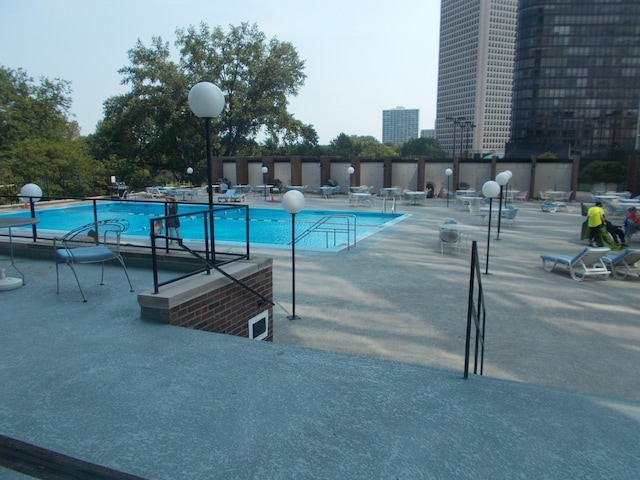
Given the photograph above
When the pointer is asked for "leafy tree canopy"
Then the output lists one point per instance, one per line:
(421, 147)
(38, 141)
(152, 124)
(604, 171)
(360, 146)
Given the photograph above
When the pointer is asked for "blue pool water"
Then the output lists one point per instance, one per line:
(267, 227)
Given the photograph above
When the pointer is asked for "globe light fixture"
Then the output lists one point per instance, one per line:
(350, 171)
(206, 101)
(30, 192)
(293, 202)
(490, 189)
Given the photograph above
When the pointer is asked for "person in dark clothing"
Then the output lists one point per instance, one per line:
(616, 232)
(173, 223)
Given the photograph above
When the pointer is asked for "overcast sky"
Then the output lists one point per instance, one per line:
(361, 56)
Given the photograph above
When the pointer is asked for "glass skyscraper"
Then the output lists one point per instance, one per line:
(576, 77)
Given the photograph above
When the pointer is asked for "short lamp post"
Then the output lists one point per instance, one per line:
(502, 179)
(448, 172)
(350, 171)
(30, 193)
(293, 202)
(264, 181)
(206, 101)
(490, 189)
(190, 172)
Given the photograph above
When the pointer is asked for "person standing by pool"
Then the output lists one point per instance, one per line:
(595, 221)
(173, 222)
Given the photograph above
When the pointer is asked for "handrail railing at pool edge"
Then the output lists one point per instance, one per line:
(195, 253)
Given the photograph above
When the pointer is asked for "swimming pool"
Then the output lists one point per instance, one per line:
(267, 227)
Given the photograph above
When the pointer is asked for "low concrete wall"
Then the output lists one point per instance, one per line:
(215, 303)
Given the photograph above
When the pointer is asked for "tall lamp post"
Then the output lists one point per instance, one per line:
(448, 172)
(264, 180)
(490, 189)
(189, 172)
(502, 179)
(206, 101)
(350, 171)
(293, 203)
(30, 192)
(456, 121)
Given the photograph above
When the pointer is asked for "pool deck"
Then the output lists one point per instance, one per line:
(367, 384)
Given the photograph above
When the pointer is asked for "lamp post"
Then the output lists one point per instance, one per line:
(468, 126)
(30, 192)
(206, 101)
(448, 172)
(506, 195)
(189, 172)
(264, 180)
(456, 121)
(293, 202)
(490, 189)
(350, 171)
(502, 179)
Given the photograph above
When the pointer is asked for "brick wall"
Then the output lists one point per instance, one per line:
(213, 302)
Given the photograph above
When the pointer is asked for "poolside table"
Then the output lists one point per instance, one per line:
(11, 283)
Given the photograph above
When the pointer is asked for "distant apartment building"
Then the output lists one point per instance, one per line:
(428, 133)
(475, 75)
(577, 77)
(400, 125)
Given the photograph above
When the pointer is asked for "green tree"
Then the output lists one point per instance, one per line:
(421, 147)
(361, 146)
(603, 171)
(38, 142)
(152, 124)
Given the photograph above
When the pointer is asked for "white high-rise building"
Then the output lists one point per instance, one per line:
(475, 75)
(400, 125)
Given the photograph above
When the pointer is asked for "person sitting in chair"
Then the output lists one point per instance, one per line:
(277, 186)
(631, 222)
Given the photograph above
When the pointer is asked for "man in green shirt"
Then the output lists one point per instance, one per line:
(595, 220)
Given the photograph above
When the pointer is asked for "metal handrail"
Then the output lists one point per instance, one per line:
(213, 263)
(476, 313)
(320, 226)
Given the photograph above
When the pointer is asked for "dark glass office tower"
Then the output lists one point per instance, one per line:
(576, 77)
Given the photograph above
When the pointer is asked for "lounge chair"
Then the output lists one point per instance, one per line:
(509, 214)
(623, 263)
(83, 245)
(588, 263)
(231, 196)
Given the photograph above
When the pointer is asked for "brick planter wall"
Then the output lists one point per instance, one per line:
(213, 302)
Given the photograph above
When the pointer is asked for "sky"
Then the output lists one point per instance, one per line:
(361, 57)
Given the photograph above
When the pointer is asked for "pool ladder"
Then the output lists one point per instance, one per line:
(384, 204)
(333, 224)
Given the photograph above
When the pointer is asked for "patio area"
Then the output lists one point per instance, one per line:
(367, 384)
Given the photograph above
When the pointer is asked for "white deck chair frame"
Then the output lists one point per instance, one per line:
(623, 264)
(588, 263)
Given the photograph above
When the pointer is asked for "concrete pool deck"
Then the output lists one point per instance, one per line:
(367, 384)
